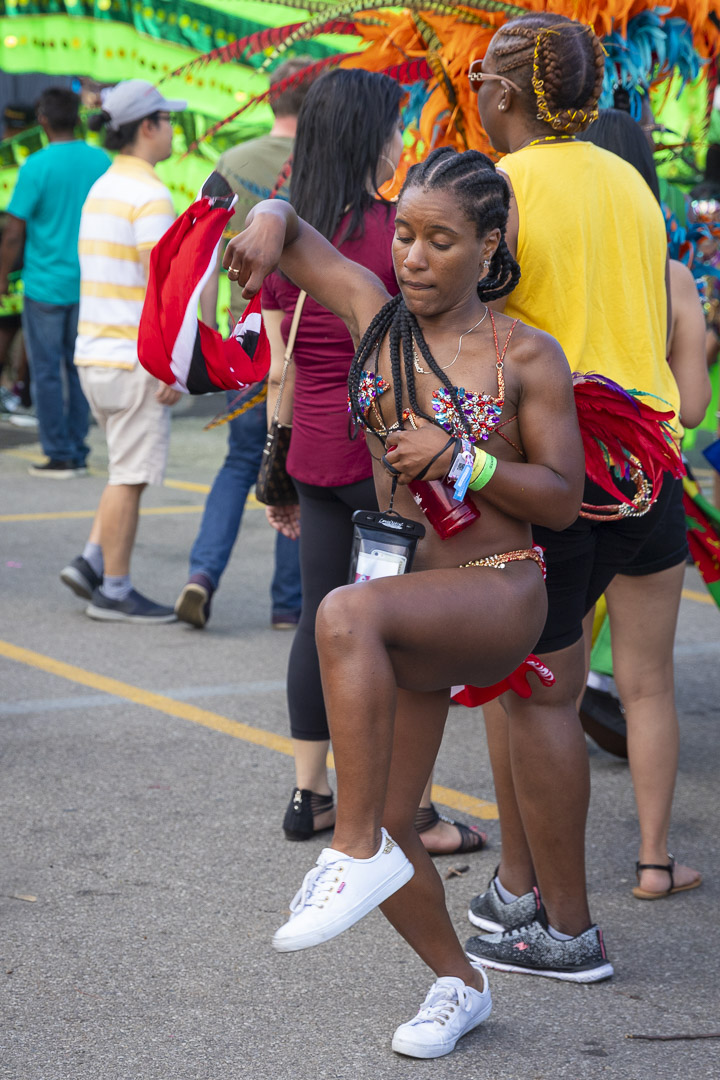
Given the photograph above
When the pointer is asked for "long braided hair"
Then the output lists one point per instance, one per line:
(559, 62)
(483, 195)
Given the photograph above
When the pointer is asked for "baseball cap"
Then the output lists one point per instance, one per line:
(134, 100)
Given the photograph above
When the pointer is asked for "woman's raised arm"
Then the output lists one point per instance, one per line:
(275, 238)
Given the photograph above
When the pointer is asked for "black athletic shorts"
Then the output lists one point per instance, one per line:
(583, 559)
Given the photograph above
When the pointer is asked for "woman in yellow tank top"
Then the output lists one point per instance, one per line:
(590, 241)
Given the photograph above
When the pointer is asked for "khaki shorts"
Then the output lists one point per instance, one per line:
(136, 426)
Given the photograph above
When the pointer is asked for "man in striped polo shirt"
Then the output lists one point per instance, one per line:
(126, 212)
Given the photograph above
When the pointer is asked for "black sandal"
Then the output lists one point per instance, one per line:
(644, 894)
(471, 839)
(303, 808)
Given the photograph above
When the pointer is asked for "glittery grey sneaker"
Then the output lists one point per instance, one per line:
(531, 950)
(490, 912)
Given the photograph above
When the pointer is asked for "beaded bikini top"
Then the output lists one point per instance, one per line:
(481, 411)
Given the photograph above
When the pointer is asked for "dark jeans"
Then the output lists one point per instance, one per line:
(62, 411)
(326, 531)
(224, 508)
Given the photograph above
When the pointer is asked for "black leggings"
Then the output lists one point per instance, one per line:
(325, 542)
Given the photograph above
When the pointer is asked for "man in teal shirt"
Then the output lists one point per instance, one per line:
(43, 220)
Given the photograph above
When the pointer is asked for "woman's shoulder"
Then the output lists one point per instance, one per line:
(525, 344)
(681, 278)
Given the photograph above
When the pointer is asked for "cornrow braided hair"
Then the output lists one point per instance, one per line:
(560, 61)
(484, 197)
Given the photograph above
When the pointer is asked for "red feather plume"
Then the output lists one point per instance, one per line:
(270, 37)
(410, 71)
(616, 426)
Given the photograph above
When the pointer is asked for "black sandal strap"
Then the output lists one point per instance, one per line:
(470, 839)
(426, 818)
(668, 868)
(320, 804)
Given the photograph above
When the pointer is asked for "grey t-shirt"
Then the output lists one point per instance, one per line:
(252, 169)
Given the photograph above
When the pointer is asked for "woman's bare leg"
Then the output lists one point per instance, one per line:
(311, 774)
(311, 764)
(516, 871)
(551, 780)
(444, 837)
(643, 617)
(419, 913)
(388, 633)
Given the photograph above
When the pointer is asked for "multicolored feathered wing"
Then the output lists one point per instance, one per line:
(620, 432)
(173, 344)
(427, 45)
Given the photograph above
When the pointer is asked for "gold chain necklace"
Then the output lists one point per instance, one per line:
(416, 359)
(552, 139)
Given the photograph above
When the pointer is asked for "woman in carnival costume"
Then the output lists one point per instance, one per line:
(437, 378)
(590, 240)
(348, 145)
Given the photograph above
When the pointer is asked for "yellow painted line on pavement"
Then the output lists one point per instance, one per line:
(251, 503)
(59, 515)
(150, 511)
(179, 485)
(456, 800)
(186, 485)
(25, 455)
(699, 597)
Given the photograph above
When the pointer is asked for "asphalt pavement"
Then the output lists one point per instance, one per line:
(145, 772)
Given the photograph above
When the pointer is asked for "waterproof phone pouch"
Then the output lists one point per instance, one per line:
(383, 544)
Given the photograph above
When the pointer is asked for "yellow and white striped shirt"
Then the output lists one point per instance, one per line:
(127, 211)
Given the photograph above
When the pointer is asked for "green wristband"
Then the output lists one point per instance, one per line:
(486, 472)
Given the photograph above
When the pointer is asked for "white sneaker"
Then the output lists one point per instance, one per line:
(450, 1010)
(339, 891)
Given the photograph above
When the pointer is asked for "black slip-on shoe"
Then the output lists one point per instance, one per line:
(81, 578)
(134, 608)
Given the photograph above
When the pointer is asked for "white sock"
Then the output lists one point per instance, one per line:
(116, 588)
(505, 895)
(92, 554)
(557, 935)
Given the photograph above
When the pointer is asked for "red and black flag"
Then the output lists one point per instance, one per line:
(173, 344)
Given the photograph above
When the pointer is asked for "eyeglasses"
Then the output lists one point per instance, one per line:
(476, 75)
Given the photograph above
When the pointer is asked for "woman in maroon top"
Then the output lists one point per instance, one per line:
(347, 146)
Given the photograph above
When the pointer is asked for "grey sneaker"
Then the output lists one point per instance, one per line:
(490, 912)
(531, 950)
